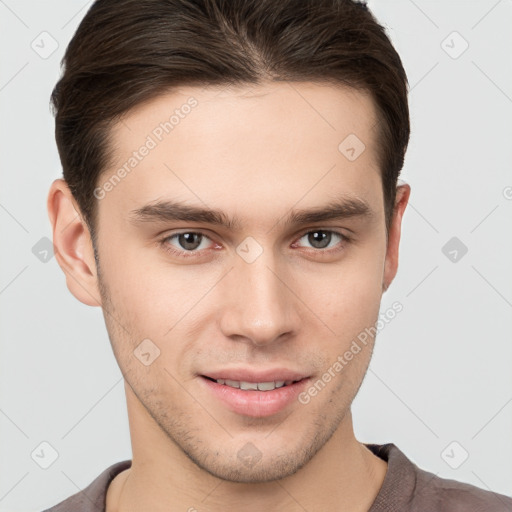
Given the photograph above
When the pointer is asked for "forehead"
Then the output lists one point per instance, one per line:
(241, 146)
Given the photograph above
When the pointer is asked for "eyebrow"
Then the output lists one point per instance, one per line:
(168, 211)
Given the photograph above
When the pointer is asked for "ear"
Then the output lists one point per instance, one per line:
(72, 244)
(391, 264)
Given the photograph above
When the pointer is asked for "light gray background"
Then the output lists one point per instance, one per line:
(441, 371)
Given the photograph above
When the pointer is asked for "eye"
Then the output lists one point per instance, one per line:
(322, 238)
(192, 243)
(187, 243)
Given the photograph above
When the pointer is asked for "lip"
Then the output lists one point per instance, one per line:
(255, 403)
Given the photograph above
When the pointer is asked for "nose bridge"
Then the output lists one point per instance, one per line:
(261, 306)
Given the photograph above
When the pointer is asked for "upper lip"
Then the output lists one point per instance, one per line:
(251, 375)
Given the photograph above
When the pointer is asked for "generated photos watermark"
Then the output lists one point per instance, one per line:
(152, 140)
(343, 359)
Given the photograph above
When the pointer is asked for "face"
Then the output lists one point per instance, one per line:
(224, 325)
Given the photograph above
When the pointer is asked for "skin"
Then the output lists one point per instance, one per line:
(256, 153)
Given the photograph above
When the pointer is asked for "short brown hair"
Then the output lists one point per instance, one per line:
(126, 52)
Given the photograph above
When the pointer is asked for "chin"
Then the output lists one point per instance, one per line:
(248, 464)
(262, 471)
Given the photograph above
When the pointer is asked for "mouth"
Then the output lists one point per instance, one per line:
(255, 394)
(253, 386)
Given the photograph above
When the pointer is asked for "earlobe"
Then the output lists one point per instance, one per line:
(391, 264)
(72, 244)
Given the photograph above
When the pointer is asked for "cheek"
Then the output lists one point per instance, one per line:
(133, 309)
(351, 295)
(163, 304)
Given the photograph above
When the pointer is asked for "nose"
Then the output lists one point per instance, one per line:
(259, 306)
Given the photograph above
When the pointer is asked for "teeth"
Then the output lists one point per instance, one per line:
(259, 386)
(248, 385)
(266, 386)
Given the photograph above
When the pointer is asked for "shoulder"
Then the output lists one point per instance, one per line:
(93, 497)
(454, 496)
(410, 488)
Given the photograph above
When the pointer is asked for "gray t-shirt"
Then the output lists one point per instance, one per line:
(406, 488)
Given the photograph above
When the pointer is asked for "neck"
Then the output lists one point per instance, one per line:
(343, 476)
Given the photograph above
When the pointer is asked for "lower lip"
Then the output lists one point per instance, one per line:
(253, 403)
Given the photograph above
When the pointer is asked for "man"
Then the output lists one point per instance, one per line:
(230, 200)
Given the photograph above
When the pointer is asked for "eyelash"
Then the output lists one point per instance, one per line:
(195, 253)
